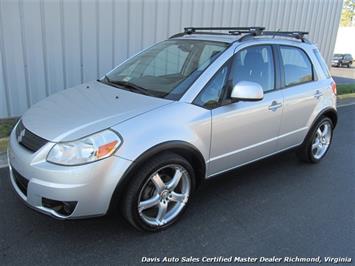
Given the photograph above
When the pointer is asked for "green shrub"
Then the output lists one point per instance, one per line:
(6, 126)
(345, 88)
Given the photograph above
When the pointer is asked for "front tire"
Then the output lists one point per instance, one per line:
(317, 142)
(159, 192)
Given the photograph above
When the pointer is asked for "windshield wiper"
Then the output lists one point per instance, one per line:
(128, 85)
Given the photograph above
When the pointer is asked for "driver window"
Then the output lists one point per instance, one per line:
(254, 64)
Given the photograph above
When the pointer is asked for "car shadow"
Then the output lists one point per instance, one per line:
(210, 193)
(238, 200)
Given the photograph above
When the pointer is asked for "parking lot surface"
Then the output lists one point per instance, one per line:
(343, 75)
(277, 207)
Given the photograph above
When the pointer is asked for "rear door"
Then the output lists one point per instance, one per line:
(301, 94)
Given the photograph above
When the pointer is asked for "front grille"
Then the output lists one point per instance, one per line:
(28, 139)
(21, 182)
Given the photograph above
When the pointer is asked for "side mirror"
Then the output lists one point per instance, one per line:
(247, 91)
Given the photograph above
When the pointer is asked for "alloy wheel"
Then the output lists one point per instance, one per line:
(321, 140)
(164, 195)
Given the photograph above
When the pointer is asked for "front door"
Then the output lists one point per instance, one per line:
(245, 131)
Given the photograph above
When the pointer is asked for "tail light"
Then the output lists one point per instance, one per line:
(334, 87)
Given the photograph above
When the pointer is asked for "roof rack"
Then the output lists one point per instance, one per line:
(248, 31)
(191, 30)
(299, 35)
(231, 30)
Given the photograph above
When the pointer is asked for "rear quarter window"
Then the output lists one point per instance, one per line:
(322, 63)
(297, 66)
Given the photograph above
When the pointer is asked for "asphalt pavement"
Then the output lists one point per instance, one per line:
(276, 207)
(343, 75)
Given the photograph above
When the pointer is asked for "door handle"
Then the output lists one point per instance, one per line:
(274, 106)
(318, 94)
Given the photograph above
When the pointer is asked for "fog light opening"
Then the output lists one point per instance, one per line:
(64, 208)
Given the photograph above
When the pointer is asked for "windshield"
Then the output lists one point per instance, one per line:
(338, 56)
(167, 69)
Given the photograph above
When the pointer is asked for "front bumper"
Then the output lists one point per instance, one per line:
(89, 187)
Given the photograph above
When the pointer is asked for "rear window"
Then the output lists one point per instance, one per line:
(297, 66)
(322, 63)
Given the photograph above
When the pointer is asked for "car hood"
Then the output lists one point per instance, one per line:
(85, 109)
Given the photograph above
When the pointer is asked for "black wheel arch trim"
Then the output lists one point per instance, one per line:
(180, 147)
(329, 112)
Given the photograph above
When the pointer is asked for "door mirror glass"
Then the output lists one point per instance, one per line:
(247, 91)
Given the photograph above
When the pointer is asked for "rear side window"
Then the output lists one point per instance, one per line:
(297, 66)
(322, 63)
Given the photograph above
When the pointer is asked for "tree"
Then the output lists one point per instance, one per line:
(348, 14)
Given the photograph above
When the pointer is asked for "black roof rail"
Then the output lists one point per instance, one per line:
(291, 34)
(247, 31)
(191, 30)
(299, 35)
(231, 31)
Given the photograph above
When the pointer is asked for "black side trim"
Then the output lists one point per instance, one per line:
(279, 71)
(180, 147)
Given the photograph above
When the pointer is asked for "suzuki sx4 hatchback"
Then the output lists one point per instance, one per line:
(142, 138)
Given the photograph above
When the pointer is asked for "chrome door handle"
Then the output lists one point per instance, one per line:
(275, 105)
(318, 94)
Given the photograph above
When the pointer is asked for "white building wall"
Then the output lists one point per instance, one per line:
(345, 42)
(49, 45)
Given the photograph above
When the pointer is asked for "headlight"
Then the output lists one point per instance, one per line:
(89, 149)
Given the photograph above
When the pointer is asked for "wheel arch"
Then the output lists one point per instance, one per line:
(182, 148)
(304, 152)
(329, 112)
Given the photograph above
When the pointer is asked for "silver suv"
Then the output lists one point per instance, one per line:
(142, 138)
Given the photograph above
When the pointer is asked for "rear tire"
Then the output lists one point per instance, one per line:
(317, 142)
(158, 193)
